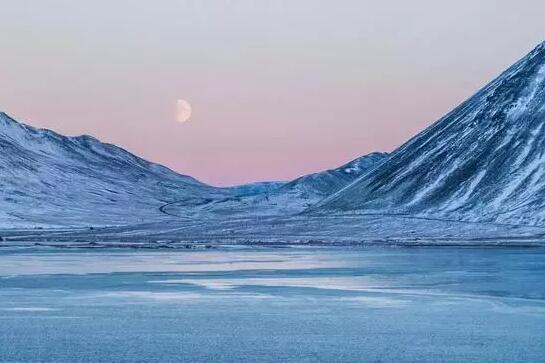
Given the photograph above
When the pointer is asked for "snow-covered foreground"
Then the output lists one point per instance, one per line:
(289, 304)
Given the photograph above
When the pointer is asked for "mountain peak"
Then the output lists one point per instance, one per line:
(485, 160)
(6, 118)
(54, 179)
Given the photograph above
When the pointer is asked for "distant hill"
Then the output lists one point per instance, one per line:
(289, 198)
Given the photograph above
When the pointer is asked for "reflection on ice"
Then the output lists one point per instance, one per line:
(29, 309)
(381, 302)
(356, 283)
(173, 296)
(431, 304)
(165, 261)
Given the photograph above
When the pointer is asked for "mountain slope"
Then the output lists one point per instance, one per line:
(288, 198)
(50, 179)
(484, 161)
(255, 188)
(324, 183)
(47, 179)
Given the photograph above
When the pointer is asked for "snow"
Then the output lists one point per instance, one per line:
(481, 162)
(49, 179)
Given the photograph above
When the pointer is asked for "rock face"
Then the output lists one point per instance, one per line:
(484, 161)
(50, 179)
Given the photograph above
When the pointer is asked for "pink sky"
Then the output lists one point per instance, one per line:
(278, 88)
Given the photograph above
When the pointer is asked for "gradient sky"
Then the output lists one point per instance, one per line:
(278, 88)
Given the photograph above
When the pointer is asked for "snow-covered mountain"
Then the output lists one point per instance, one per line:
(256, 188)
(50, 179)
(305, 191)
(47, 179)
(284, 198)
(324, 183)
(484, 161)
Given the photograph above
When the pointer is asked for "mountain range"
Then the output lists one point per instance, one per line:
(48, 179)
(284, 199)
(482, 162)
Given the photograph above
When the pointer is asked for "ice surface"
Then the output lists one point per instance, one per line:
(305, 304)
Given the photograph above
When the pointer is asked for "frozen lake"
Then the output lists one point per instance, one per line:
(290, 304)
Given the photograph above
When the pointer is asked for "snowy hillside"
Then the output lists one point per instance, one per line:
(484, 161)
(285, 198)
(256, 188)
(322, 184)
(50, 179)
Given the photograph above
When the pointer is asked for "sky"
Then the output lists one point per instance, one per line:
(278, 89)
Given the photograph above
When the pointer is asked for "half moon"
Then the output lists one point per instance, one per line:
(183, 111)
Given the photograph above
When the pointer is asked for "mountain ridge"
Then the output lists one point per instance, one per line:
(9, 121)
(48, 178)
(288, 198)
(482, 161)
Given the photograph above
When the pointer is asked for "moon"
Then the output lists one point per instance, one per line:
(183, 111)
